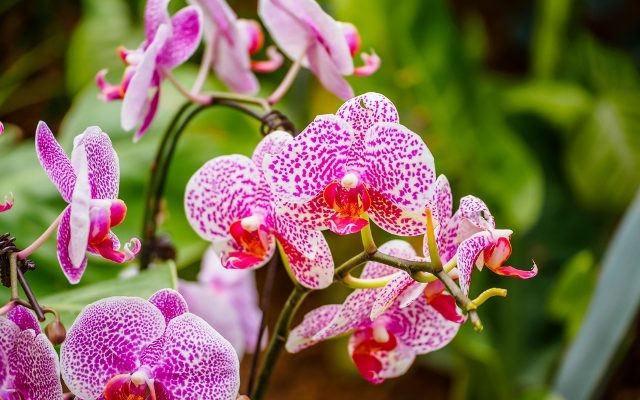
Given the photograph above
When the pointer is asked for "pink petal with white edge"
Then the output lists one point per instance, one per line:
(197, 360)
(399, 166)
(392, 218)
(313, 215)
(170, 303)
(441, 204)
(79, 218)
(468, 253)
(107, 339)
(150, 114)
(54, 161)
(7, 204)
(216, 311)
(34, 366)
(315, 158)
(135, 100)
(315, 272)
(72, 273)
(155, 14)
(302, 336)
(362, 112)
(321, 64)
(232, 62)
(371, 62)
(221, 192)
(24, 318)
(296, 24)
(356, 309)
(274, 143)
(102, 163)
(423, 328)
(186, 32)
(386, 296)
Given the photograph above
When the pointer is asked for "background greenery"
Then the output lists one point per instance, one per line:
(531, 105)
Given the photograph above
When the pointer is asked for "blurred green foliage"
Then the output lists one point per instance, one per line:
(554, 151)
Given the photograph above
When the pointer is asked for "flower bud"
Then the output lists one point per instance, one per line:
(56, 332)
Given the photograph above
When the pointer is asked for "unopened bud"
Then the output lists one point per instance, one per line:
(56, 332)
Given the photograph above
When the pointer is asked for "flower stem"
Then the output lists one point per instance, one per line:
(367, 237)
(461, 299)
(40, 241)
(205, 66)
(431, 240)
(13, 274)
(286, 83)
(193, 97)
(487, 294)
(278, 340)
(375, 283)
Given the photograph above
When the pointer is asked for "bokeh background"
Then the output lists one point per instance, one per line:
(534, 106)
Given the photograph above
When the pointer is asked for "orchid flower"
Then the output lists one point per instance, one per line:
(7, 204)
(360, 160)
(306, 33)
(229, 202)
(169, 42)
(231, 43)
(28, 362)
(89, 183)
(128, 347)
(470, 235)
(227, 300)
(383, 347)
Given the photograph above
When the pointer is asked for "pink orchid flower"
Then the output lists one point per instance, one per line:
(227, 299)
(7, 204)
(383, 347)
(132, 348)
(232, 42)
(89, 183)
(305, 32)
(229, 202)
(170, 41)
(469, 234)
(360, 160)
(28, 362)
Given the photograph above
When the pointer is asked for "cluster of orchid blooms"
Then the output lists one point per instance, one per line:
(341, 173)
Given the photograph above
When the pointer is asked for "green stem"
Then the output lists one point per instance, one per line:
(13, 275)
(368, 243)
(278, 341)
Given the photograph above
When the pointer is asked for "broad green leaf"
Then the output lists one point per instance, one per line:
(611, 313)
(69, 303)
(549, 39)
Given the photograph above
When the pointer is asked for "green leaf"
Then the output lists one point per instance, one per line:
(610, 315)
(69, 303)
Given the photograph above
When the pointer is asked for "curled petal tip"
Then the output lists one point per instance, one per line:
(132, 249)
(272, 63)
(1, 128)
(517, 273)
(8, 203)
(371, 64)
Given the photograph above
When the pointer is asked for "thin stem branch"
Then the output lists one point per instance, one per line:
(35, 306)
(278, 340)
(13, 275)
(374, 283)
(461, 299)
(487, 294)
(195, 98)
(40, 241)
(205, 66)
(286, 83)
(368, 243)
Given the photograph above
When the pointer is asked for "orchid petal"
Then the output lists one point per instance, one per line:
(372, 63)
(399, 166)
(394, 219)
(80, 221)
(517, 273)
(54, 161)
(24, 318)
(8, 203)
(135, 100)
(396, 248)
(186, 34)
(232, 62)
(221, 192)
(274, 60)
(107, 339)
(102, 163)
(327, 72)
(315, 271)
(411, 294)
(312, 215)
(208, 305)
(155, 14)
(386, 296)
(274, 143)
(311, 161)
(149, 115)
(446, 306)
(441, 204)
(170, 303)
(234, 256)
(302, 336)
(197, 360)
(362, 112)
(468, 252)
(72, 273)
(381, 364)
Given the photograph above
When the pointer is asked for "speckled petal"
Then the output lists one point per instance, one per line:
(54, 161)
(314, 214)
(136, 100)
(227, 249)
(221, 192)
(399, 166)
(421, 327)
(314, 270)
(321, 64)
(197, 360)
(393, 219)
(397, 248)
(24, 318)
(107, 339)
(72, 273)
(274, 143)
(170, 303)
(186, 34)
(392, 363)
(302, 336)
(386, 296)
(311, 161)
(8, 332)
(362, 112)
(103, 163)
(468, 253)
(155, 14)
(34, 366)
(441, 203)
